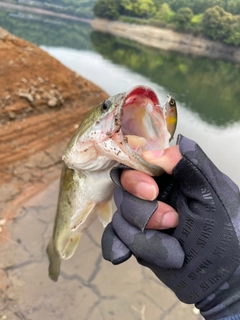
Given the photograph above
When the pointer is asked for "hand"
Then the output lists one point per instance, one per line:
(145, 187)
(199, 259)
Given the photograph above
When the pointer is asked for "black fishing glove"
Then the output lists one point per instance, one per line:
(199, 259)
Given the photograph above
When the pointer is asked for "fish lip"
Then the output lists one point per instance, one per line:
(136, 89)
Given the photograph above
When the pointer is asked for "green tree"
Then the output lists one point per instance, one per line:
(177, 4)
(217, 23)
(145, 8)
(197, 19)
(233, 6)
(164, 13)
(108, 9)
(138, 8)
(183, 17)
(158, 3)
(199, 6)
(234, 34)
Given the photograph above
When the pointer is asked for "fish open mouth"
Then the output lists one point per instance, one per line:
(135, 124)
(143, 124)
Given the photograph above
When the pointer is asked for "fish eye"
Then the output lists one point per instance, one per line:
(106, 105)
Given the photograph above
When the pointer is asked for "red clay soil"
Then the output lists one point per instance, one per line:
(41, 104)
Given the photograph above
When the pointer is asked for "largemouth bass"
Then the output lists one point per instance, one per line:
(116, 131)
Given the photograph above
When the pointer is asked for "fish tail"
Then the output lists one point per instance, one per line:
(54, 261)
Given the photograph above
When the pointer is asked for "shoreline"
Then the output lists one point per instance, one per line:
(166, 39)
(43, 12)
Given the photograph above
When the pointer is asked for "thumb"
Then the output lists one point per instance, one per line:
(167, 158)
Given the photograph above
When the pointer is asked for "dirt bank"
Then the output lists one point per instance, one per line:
(166, 39)
(41, 104)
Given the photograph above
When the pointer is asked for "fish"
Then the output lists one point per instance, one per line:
(170, 109)
(115, 132)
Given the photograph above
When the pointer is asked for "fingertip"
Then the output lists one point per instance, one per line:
(165, 217)
(170, 220)
(166, 159)
(139, 184)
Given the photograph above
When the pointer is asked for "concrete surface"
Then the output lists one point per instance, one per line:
(89, 288)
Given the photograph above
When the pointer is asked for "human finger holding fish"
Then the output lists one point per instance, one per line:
(118, 131)
(145, 187)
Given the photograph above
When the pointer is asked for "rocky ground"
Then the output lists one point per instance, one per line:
(41, 104)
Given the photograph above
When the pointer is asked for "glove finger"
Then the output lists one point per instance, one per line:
(113, 249)
(118, 196)
(115, 174)
(137, 211)
(152, 246)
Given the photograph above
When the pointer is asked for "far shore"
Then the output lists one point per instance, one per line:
(169, 40)
(42, 11)
(164, 39)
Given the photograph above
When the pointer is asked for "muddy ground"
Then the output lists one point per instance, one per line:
(41, 104)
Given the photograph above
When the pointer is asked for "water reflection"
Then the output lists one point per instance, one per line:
(44, 30)
(208, 87)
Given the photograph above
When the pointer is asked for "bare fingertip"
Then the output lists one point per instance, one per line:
(139, 184)
(146, 191)
(169, 220)
(163, 219)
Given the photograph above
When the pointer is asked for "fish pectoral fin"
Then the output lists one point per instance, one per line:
(54, 261)
(80, 218)
(71, 246)
(105, 212)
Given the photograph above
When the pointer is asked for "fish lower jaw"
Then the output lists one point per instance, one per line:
(123, 153)
(100, 163)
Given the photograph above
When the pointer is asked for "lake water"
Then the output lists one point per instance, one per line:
(207, 94)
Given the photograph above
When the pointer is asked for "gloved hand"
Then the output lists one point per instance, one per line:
(199, 259)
